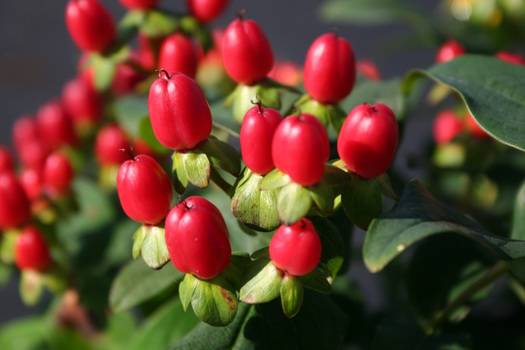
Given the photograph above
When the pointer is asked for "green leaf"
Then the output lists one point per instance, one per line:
(234, 273)
(316, 280)
(492, 89)
(23, 334)
(214, 301)
(222, 155)
(7, 246)
(164, 327)
(293, 203)
(262, 282)
(323, 197)
(154, 250)
(387, 92)
(275, 179)
(158, 23)
(252, 206)
(292, 294)
(518, 220)
(362, 201)
(136, 283)
(147, 135)
(104, 71)
(197, 168)
(328, 114)
(31, 287)
(320, 324)
(130, 110)
(418, 215)
(333, 252)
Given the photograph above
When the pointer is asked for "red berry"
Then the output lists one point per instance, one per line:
(14, 204)
(296, 249)
(206, 10)
(6, 161)
(329, 69)
(146, 52)
(447, 126)
(81, 102)
(32, 183)
(257, 129)
(55, 126)
(515, 58)
(300, 148)
(31, 250)
(286, 73)
(179, 112)
(126, 79)
(474, 129)
(25, 129)
(449, 50)
(368, 140)
(247, 53)
(197, 238)
(58, 174)
(144, 190)
(139, 4)
(109, 143)
(368, 69)
(178, 53)
(90, 25)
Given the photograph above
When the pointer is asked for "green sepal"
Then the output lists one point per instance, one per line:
(222, 155)
(293, 203)
(261, 253)
(197, 168)
(362, 201)
(150, 242)
(330, 115)
(275, 179)
(242, 97)
(180, 179)
(318, 280)
(214, 301)
(104, 71)
(292, 294)
(31, 287)
(336, 174)
(7, 246)
(194, 28)
(186, 289)
(253, 206)
(262, 282)
(385, 186)
(323, 197)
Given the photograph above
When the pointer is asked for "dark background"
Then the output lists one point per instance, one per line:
(37, 57)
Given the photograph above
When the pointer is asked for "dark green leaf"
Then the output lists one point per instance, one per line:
(130, 110)
(136, 283)
(147, 135)
(320, 324)
(262, 282)
(333, 246)
(362, 201)
(292, 294)
(252, 206)
(492, 89)
(164, 327)
(222, 155)
(234, 273)
(418, 215)
(317, 280)
(518, 222)
(293, 203)
(323, 197)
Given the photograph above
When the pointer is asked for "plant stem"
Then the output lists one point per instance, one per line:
(493, 274)
(219, 181)
(226, 129)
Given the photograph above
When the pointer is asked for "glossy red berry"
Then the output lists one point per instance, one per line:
(126, 79)
(31, 250)
(55, 126)
(58, 174)
(447, 125)
(449, 50)
(90, 25)
(368, 69)
(287, 73)
(109, 143)
(24, 130)
(296, 249)
(146, 51)
(368, 140)
(179, 112)
(300, 148)
(139, 4)
(144, 190)
(32, 183)
(81, 102)
(257, 129)
(329, 69)
(33, 154)
(14, 204)
(197, 238)
(206, 10)
(178, 53)
(6, 160)
(247, 53)
(515, 58)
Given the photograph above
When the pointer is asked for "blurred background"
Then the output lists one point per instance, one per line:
(37, 57)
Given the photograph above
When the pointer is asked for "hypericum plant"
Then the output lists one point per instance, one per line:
(255, 250)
